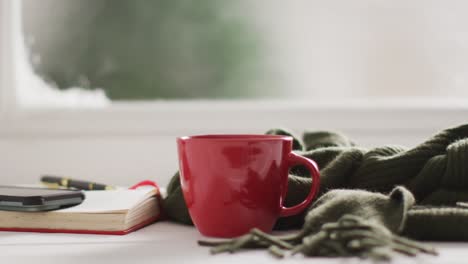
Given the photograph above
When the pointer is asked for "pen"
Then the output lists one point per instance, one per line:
(55, 181)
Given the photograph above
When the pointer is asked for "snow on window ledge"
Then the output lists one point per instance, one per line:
(32, 91)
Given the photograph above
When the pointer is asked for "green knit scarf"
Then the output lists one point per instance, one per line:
(369, 198)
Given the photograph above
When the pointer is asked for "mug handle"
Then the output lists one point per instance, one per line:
(294, 159)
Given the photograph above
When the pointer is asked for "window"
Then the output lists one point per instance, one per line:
(211, 49)
(292, 58)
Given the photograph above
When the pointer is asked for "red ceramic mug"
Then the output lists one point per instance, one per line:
(233, 183)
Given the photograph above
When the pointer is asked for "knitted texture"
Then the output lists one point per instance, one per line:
(434, 175)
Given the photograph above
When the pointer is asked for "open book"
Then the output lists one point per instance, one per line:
(115, 212)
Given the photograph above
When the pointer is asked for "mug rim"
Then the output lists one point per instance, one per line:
(236, 137)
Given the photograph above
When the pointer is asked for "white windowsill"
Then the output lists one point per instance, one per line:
(168, 118)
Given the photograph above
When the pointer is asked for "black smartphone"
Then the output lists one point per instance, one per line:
(13, 198)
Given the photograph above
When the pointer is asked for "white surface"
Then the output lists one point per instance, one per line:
(162, 242)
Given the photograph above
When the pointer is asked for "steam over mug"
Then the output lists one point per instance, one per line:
(233, 183)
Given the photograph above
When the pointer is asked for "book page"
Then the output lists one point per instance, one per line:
(111, 201)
